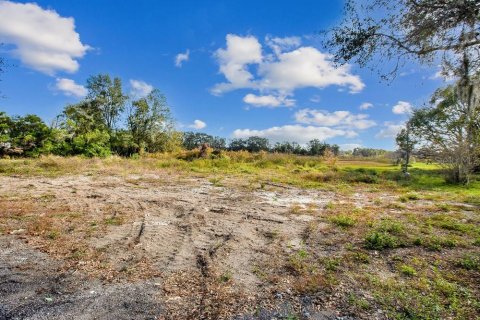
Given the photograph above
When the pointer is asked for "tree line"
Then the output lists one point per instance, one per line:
(93, 128)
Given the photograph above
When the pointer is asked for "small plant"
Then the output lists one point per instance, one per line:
(52, 235)
(378, 240)
(408, 270)
(114, 221)
(361, 257)
(408, 197)
(226, 276)
(216, 181)
(469, 263)
(358, 301)
(343, 221)
(330, 205)
(296, 208)
(331, 264)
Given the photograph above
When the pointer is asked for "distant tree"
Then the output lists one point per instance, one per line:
(288, 147)
(151, 124)
(257, 144)
(368, 152)
(193, 140)
(449, 132)
(406, 143)
(237, 144)
(107, 98)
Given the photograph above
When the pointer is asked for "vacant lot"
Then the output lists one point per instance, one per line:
(238, 237)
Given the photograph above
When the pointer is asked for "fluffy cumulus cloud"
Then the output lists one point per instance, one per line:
(140, 89)
(268, 101)
(197, 125)
(390, 130)
(298, 133)
(341, 119)
(234, 61)
(69, 88)
(42, 39)
(402, 107)
(306, 67)
(181, 58)
(366, 106)
(290, 67)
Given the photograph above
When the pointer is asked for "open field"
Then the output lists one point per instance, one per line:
(235, 236)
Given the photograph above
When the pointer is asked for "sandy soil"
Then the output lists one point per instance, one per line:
(160, 247)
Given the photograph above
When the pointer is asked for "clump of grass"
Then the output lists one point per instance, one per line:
(327, 176)
(407, 270)
(436, 243)
(114, 221)
(384, 235)
(408, 197)
(361, 257)
(226, 276)
(343, 221)
(296, 208)
(445, 207)
(216, 181)
(330, 205)
(380, 240)
(469, 263)
(52, 235)
(297, 263)
(331, 264)
(359, 302)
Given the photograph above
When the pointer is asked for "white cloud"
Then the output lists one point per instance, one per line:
(70, 88)
(306, 67)
(281, 44)
(283, 73)
(140, 88)
(390, 130)
(43, 40)
(349, 146)
(268, 101)
(198, 124)
(234, 60)
(334, 119)
(297, 133)
(366, 106)
(182, 57)
(402, 107)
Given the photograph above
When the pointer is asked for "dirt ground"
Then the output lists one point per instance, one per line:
(173, 237)
(159, 247)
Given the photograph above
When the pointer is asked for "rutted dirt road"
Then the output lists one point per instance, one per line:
(146, 247)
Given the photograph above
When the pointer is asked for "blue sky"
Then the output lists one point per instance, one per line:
(229, 68)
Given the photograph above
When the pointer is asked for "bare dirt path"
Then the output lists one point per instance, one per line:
(145, 247)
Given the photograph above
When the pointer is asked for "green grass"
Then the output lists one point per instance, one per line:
(343, 221)
(301, 171)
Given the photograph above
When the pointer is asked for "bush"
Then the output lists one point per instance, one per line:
(343, 221)
(378, 240)
(92, 144)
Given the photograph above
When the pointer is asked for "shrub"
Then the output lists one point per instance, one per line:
(92, 144)
(378, 240)
(469, 263)
(343, 220)
(408, 270)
